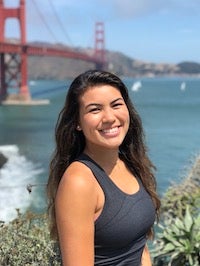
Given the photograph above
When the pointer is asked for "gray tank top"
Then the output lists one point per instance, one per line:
(121, 229)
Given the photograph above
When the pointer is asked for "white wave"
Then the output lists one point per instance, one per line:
(15, 175)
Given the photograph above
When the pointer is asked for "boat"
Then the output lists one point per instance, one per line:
(183, 86)
(136, 85)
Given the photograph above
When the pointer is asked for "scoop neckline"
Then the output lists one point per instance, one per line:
(113, 183)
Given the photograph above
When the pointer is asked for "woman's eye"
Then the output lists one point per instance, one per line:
(94, 110)
(117, 105)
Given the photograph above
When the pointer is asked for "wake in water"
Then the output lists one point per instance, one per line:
(15, 176)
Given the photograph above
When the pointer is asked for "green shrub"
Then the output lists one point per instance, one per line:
(187, 192)
(26, 241)
(179, 241)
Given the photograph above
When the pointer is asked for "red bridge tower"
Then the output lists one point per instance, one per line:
(14, 67)
(100, 43)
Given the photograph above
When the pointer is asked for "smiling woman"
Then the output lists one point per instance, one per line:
(101, 188)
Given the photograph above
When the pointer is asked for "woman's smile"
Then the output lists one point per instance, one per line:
(110, 132)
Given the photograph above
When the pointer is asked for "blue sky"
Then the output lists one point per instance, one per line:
(160, 31)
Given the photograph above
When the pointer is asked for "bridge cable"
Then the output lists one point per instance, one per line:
(60, 23)
(43, 20)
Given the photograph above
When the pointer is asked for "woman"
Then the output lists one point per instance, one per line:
(101, 188)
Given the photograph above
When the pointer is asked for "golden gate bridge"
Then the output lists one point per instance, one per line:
(14, 56)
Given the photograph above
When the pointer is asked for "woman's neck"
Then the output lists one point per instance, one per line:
(107, 159)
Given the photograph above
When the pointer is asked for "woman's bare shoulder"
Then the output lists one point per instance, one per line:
(78, 168)
(77, 178)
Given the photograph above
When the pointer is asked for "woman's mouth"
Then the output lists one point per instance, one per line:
(110, 132)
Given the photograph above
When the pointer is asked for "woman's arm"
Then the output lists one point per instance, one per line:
(146, 259)
(75, 208)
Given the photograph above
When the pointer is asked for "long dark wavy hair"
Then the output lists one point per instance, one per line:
(70, 142)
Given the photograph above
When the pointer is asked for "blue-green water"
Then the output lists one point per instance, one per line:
(171, 119)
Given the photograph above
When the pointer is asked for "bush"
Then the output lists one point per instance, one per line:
(26, 241)
(178, 196)
(178, 239)
(179, 242)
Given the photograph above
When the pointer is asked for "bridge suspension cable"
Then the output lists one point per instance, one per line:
(60, 23)
(44, 21)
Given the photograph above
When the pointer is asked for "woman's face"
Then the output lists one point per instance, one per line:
(103, 117)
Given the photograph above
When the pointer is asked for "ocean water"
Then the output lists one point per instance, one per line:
(170, 111)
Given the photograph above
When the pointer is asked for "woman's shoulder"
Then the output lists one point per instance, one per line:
(76, 197)
(77, 177)
(78, 169)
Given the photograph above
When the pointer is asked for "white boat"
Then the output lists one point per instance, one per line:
(183, 86)
(32, 83)
(136, 86)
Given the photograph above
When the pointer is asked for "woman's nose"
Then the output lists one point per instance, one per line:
(108, 116)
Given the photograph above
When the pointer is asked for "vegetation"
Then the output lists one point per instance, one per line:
(189, 67)
(178, 239)
(179, 242)
(25, 241)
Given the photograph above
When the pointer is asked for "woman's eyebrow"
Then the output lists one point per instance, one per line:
(98, 104)
(118, 99)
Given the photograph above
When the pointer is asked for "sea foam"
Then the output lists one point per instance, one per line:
(15, 175)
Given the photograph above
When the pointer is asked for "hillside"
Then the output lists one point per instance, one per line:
(63, 68)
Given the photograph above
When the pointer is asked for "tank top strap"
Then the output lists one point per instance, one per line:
(98, 172)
